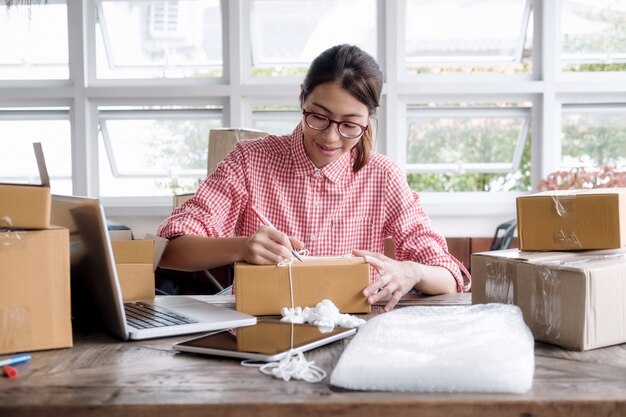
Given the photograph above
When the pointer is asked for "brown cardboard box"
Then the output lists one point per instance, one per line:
(572, 220)
(27, 206)
(494, 273)
(24, 206)
(223, 140)
(34, 290)
(264, 289)
(577, 301)
(135, 262)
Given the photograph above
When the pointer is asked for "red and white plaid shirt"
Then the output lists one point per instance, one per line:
(333, 210)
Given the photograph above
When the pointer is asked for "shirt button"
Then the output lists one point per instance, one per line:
(313, 237)
(316, 203)
(318, 174)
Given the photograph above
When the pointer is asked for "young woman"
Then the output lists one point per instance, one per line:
(324, 190)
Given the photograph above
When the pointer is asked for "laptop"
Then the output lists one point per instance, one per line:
(96, 293)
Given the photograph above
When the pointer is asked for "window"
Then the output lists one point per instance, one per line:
(459, 36)
(456, 148)
(29, 52)
(593, 35)
(153, 151)
(593, 135)
(312, 26)
(19, 129)
(479, 95)
(159, 39)
(276, 119)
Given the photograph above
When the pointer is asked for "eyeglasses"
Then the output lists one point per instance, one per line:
(318, 121)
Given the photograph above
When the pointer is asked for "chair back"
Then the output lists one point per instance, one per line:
(504, 235)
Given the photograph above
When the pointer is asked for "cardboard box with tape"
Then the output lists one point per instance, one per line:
(572, 220)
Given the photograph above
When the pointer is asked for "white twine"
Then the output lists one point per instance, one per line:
(294, 365)
(325, 315)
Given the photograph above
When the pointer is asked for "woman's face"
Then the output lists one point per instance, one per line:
(336, 103)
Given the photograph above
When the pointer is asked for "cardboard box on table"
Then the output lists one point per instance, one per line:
(572, 220)
(27, 206)
(494, 273)
(576, 300)
(265, 289)
(35, 310)
(135, 262)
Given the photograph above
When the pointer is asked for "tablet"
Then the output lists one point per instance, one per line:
(267, 340)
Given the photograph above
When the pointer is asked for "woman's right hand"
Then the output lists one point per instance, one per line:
(270, 246)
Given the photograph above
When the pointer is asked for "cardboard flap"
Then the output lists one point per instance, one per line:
(41, 165)
(159, 247)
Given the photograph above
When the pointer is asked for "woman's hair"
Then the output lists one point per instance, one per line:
(358, 73)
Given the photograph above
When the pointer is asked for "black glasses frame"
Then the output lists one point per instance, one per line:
(330, 122)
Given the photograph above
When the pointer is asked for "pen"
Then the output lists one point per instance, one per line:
(15, 360)
(266, 221)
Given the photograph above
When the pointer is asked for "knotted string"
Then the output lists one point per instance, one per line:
(294, 365)
(288, 262)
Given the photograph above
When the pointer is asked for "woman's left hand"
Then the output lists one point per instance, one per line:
(396, 278)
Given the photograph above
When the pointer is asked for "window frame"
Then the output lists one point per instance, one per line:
(546, 87)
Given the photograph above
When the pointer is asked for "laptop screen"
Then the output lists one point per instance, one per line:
(96, 294)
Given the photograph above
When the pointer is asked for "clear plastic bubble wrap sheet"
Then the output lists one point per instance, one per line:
(478, 348)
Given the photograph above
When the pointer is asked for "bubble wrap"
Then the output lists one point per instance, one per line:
(478, 348)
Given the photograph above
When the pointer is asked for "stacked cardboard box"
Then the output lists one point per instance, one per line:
(571, 293)
(34, 270)
(572, 220)
(135, 262)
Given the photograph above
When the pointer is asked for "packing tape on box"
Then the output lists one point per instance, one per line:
(5, 222)
(16, 323)
(499, 283)
(568, 216)
(587, 259)
(545, 300)
(545, 305)
(11, 240)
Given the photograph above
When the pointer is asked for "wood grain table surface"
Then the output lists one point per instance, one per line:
(102, 376)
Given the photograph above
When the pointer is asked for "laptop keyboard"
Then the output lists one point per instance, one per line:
(146, 316)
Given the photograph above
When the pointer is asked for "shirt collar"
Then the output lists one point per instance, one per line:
(303, 165)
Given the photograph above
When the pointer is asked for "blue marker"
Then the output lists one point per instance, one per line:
(15, 360)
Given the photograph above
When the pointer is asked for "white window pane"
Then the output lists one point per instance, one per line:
(154, 152)
(468, 149)
(276, 120)
(159, 39)
(449, 35)
(28, 51)
(593, 136)
(287, 35)
(19, 130)
(592, 32)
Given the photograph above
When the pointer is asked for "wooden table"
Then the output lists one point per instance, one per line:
(103, 376)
